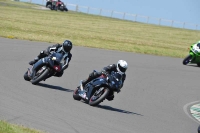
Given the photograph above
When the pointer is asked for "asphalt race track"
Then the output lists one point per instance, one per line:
(155, 98)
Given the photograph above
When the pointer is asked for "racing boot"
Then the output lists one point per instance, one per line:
(33, 61)
(92, 76)
(84, 82)
(41, 55)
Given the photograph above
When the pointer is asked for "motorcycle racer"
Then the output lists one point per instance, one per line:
(120, 67)
(64, 49)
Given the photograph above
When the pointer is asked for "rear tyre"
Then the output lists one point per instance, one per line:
(26, 76)
(187, 59)
(41, 77)
(75, 94)
(95, 100)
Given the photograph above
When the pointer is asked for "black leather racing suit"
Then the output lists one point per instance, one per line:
(107, 69)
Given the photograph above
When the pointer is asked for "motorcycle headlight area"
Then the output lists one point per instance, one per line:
(53, 58)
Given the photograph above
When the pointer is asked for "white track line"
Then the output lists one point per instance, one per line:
(185, 108)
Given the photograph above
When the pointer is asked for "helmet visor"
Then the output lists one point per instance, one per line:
(121, 68)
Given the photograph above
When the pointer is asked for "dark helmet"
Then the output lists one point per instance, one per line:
(67, 46)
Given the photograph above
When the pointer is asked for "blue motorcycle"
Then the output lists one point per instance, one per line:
(98, 89)
(45, 67)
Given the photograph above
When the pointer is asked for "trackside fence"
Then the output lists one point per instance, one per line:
(126, 16)
(132, 17)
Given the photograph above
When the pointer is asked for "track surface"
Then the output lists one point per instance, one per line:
(153, 100)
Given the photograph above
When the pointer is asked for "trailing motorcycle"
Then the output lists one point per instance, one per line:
(194, 55)
(45, 68)
(56, 5)
(98, 89)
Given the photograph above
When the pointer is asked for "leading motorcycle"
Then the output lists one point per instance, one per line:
(98, 89)
(45, 68)
(194, 55)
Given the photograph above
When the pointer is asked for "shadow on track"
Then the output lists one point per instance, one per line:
(191, 65)
(117, 110)
(54, 87)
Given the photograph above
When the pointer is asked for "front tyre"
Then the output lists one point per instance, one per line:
(66, 9)
(187, 59)
(26, 77)
(96, 99)
(41, 77)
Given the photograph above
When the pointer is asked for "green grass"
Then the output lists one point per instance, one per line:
(12, 128)
(95, 31)
(17, 3)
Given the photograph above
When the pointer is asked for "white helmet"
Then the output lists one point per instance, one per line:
(122, 65)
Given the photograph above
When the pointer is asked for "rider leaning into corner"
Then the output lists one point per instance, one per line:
(120, 67)
(64, 49)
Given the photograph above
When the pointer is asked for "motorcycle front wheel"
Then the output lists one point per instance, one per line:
(187, 59)
(98, 98)
(42, 76)
(26, 76)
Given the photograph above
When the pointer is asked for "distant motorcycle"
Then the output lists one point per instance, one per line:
(51, 4)
(98, 89)
(51, 67)
(194, 55)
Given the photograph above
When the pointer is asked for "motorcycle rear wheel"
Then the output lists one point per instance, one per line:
(187, 59)
(103, 96)
(75, 94)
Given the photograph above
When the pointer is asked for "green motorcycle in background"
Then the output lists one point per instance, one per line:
(194, 55)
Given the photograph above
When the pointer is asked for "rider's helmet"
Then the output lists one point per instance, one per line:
(122, 66)
(198, 43)
(67, 46)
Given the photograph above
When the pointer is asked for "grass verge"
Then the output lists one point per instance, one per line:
(12, 128)
(95, 31)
